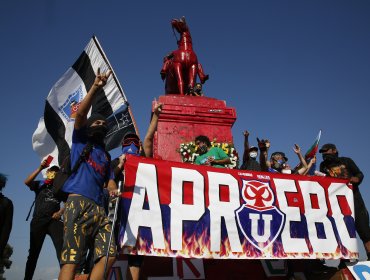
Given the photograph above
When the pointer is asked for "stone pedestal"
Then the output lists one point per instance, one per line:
(185, 117)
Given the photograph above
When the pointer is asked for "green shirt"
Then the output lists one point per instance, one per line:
(216, 153)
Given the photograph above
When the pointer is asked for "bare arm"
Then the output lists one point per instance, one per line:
(85, 105)
(246, 146)
(30, 178)
(148, 140)
(264, 147)
(303, 162)
(309, 165)
(112, 186)
(118, 169)
(220, 161)
(57, 215)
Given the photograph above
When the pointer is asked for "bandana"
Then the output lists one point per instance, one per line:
(131, 149)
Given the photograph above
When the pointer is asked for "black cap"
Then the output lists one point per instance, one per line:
(54, 168)
(279, 153)
(327, 147)
(94, 117)
(253, 148)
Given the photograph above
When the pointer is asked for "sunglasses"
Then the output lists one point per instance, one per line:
(129, 141)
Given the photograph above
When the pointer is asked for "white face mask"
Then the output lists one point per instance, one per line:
(253, 154)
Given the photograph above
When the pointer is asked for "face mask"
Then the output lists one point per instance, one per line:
(97, 133)
(279, 164)
(203, 149)
(329, 157)
(131, 150)
(253, 154)
(50, 175)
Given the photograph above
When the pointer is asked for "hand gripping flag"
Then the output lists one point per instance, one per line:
(54, 132)
(312, 152)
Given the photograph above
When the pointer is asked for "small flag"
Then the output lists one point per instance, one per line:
(312, 152)
(53, 135)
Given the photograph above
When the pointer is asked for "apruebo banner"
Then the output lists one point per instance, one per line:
(182, 210)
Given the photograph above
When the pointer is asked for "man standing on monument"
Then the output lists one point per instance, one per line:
(131, 146)
(344, 167)
(208, 155)
(250, 155)
(85, 220)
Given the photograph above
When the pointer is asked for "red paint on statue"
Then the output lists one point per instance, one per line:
(185, 117)
(180, 67)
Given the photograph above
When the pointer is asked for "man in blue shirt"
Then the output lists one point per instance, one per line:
(85, 220)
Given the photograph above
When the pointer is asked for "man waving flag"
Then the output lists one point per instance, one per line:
(312, 152)
(54, 132)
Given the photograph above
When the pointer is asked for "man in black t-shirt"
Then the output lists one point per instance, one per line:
(46, 217)
(344, 167)
(250, 155)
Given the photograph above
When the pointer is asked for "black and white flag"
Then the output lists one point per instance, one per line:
(53, 135)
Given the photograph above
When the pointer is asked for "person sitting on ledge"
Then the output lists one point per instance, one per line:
(208, 155)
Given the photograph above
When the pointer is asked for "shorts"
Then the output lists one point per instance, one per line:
(135, 260)
(85, 223)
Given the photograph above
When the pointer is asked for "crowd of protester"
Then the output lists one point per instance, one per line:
(81, 228)
(332, 166)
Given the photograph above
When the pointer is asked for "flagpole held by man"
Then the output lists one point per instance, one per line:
(85, 220)
(54, 131)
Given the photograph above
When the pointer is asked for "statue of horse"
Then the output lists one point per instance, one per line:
(181, 66)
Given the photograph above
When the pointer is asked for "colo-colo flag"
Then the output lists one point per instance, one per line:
(53, 135)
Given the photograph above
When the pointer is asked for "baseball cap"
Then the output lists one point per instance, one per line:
(327, 147)
(279, 153)
(253, 148)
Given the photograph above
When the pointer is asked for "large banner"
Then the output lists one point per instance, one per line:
(182, 210)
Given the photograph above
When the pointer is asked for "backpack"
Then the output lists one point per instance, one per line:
(66, 171)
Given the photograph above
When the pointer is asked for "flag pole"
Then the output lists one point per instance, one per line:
(110, 66)
(117, 82)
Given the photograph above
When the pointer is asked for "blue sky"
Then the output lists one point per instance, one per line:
(289, 68)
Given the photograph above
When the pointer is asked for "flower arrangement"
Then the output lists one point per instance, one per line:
(188, 152)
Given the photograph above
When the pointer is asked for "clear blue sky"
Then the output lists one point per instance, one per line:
(289, 68)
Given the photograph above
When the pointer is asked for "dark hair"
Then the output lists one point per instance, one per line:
(204, 139)
(94, 117)
(54, 168)
(3, 179)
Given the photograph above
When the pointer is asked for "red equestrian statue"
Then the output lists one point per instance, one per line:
(181, 66)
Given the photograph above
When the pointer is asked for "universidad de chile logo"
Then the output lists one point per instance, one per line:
(70, 107)
(258, 219)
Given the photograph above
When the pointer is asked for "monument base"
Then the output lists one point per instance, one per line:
(185, 117)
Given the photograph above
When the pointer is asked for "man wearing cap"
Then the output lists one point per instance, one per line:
(46, 218)
(85, 220)
(131, 146)
(344, 167)
(277, 162)
(250, 155)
